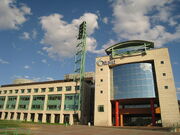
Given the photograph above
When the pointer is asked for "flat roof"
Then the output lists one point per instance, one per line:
(45, 82)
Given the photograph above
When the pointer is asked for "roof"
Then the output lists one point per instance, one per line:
(45, 82)
(131, 43)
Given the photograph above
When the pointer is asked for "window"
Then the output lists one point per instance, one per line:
(10, 91)
(0, 92)
(68, 88)
(59, 88)
(16, 91)
(101, 91)
(51, 89)
(101, 69)
(43, 89)
(77, 87)
(5, 91)
(166, 87)
(68, 97)
(36, 90)
(100, 108)
(22, 90)
(164, 74)
(162, 62)
(101, 80)
(29, 90)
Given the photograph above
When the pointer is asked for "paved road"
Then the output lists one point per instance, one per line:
(85, 130)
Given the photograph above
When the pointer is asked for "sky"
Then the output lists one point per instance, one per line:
(38, 37)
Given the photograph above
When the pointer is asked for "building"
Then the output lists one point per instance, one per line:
(135, 86)
(50, 101)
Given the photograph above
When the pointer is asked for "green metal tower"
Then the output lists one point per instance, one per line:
(80, 57)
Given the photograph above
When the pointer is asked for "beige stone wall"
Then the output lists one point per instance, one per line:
(167, 97)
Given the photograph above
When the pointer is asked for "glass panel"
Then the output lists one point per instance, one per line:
(133, 81)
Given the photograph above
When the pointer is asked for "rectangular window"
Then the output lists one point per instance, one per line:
(29, 90)
(100, 108)
(5, 91)
(166, 87)
(22, 90)
(43, 89)
(77, 87)
(0, 92)
(16, 91)
(162, 62)
(36, 90)
(68, 88)
(164, 74)
(59, 88)
(51, 89)
(10, 91)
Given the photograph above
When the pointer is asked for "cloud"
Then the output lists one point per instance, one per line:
(60, 37)
(25, 36)
(178, 90)
(143, 20)
(12, 15)
(175, 63)
(26, 67)
(3, 61)
(44, 61)
(29, 35)
(34, 34)
(105, 20)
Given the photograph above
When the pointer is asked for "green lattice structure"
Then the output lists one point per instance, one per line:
(129, 48)
(2, 101)
(80, 57)
(11, 102)
(24, 102)
(54, 102)
(38, 102)
(70, 102)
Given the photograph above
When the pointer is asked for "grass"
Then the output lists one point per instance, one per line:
(9, 124)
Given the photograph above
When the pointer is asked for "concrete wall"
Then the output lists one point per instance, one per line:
(167, 97)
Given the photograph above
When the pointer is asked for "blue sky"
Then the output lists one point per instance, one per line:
(38, 37)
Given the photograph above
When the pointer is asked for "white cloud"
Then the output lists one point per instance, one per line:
(49, 78)
(26, 67)
(34, 34)
(25, 36)
(60, 37)
(12, 15)
(40, 52)
(105, 20)
(44, 61)
(3, 61)
(142, 19)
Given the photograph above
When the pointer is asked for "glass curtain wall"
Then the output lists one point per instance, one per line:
(133, 81)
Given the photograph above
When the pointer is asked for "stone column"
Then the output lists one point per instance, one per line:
(45, 102)
(5, 103)
(35, 117)
(15, 116)
(52, 118)
(29, 117)
(62, 118)
(30, 103)
(44, 118)
(17, 102)
(9, 115)
(71, 119)
(3, 115)
(21, 116)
